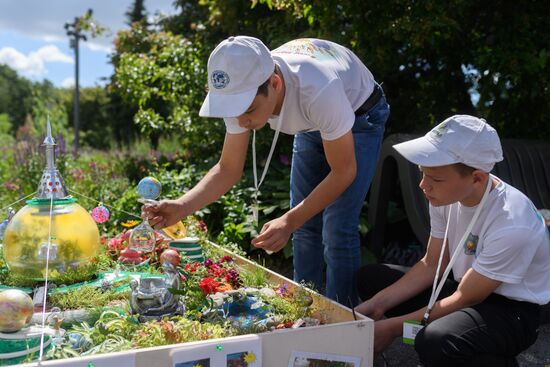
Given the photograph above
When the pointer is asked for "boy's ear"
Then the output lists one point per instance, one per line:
(478, 175)
(276, 81)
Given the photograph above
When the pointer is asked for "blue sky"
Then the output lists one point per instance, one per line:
(34, 43)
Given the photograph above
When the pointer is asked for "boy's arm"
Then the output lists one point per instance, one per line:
(416, 280)
(221, 177)
(340, 155)
(473, 289)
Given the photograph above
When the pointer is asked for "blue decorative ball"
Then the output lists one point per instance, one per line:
(149, 188)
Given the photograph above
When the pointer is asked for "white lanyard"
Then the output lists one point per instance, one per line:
(256, 184)
(436, 288)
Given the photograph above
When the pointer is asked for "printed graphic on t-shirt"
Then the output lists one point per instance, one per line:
(470, 245)
(315, 48)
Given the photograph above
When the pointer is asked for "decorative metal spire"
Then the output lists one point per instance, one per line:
(51, 184)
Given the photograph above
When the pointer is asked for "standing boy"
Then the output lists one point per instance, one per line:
(492, 238)
(322, 93)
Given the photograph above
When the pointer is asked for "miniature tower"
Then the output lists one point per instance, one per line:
(51, 184)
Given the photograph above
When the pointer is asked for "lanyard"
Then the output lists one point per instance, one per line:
(256, 183)
(436, 288)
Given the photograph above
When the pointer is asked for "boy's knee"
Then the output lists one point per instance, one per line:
(430, 345)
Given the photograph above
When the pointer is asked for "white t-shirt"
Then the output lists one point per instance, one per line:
(509, 243)
(324, 84)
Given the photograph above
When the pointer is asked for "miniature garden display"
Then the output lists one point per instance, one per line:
(67, 293)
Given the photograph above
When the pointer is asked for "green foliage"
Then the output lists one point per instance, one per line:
(432, 56)
(164, 75)
(5, 126)
(293, 307)
(86, 297)
(177, 330)
(136, 13)
(15, 96)
(254, 277)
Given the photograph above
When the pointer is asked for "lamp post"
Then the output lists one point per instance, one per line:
(74, 31)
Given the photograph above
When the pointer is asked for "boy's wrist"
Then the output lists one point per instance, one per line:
(292, 220)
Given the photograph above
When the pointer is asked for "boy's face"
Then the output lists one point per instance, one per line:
(445, 185)
(262, 107)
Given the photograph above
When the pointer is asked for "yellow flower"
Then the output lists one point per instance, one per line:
(250, 358)
(130, 223)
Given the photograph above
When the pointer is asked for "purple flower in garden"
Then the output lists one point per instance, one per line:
(284, 159)
(208, 262)
(92, 165)
(12, 186)
(282, 290)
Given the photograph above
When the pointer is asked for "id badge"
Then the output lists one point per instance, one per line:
(410, 330)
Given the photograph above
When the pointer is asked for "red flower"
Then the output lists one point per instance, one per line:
(209, 285)
(191, 267)
(203, 226)
(115, 244)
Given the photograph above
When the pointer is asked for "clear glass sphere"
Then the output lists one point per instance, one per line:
(143, 238)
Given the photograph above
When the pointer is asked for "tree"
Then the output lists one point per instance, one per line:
(15, 96)
(136, 13)
(164, 76)
(434, 58)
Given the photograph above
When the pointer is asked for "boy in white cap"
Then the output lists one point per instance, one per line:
(491, 237)
(323, 94)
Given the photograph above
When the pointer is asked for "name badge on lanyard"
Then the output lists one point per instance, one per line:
(410, 330)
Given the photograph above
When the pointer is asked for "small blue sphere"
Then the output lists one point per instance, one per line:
(149, 188)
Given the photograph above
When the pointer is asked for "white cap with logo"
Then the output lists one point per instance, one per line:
(459, 139)
(236, 68)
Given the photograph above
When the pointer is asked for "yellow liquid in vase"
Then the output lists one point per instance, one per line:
(74, 239)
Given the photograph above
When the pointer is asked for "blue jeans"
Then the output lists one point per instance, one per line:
(331, 237)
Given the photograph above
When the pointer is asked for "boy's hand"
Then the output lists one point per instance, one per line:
(162, 214)
(274, 235)
(369, 309)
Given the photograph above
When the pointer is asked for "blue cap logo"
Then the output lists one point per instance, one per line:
(220, 79)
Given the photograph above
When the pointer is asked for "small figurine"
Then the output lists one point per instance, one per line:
(151, 298)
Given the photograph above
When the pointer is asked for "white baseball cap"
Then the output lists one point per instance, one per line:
(236, 68)
(459, 139)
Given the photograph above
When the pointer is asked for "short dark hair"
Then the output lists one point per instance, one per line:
(263, 89)
(463, 170)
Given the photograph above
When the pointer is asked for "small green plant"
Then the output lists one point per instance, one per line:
(254, 276)
(86, 297)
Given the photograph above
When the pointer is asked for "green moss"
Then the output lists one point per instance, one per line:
(86, 297)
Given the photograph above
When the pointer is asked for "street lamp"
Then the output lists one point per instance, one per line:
(74, 30)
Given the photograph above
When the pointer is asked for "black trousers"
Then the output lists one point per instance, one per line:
(490, 333)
